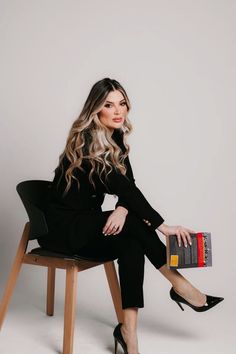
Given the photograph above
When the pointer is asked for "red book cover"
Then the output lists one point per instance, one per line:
(199, 254)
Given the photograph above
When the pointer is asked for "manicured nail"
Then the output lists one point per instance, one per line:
(185, 245)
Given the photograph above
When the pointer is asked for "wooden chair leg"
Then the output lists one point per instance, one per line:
(114, 289)
(50, 290)
(14, 273)
(70, 306)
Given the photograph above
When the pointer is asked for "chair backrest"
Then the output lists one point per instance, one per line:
(35, 195)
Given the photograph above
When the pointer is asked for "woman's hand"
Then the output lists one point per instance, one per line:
(115, 221)
(179, 231)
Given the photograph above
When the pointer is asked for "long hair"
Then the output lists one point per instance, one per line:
(90, 141)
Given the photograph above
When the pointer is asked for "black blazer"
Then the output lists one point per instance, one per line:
(62, 211)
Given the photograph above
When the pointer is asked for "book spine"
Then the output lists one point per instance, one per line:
(200, 250)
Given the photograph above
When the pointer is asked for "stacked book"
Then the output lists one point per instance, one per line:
(199, 254)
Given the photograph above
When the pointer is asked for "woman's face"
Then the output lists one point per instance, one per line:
(114, 110)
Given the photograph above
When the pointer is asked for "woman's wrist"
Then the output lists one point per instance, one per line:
(162, 228)
(123, 209)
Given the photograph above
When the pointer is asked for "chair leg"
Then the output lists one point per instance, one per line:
(114, 289)
(14, 273)
(70, 306)
(50, 290)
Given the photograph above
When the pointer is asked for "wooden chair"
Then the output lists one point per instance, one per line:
(34, 195)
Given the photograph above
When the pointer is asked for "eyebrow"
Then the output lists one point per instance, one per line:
(113, 102)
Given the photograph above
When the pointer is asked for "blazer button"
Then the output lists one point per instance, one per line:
(149, 224)
(93, 195)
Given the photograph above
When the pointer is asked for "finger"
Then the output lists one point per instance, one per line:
(111, 229)
(187, 232)
(118, 230)
(188, 237)
(178, 238)
(104, 230)
(106, 227)
(115, 228)
(184, 238)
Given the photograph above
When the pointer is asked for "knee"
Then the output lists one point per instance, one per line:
(132, 252)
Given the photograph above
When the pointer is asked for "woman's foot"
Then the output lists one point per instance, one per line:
(130, 338)
(191, 294)
(183, 287)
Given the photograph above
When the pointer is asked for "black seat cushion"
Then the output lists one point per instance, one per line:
(48, 253)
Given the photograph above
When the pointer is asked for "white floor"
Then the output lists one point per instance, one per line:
(162, 328)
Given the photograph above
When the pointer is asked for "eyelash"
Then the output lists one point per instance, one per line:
(108, 104)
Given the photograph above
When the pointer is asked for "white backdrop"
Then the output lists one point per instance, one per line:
(176, 60)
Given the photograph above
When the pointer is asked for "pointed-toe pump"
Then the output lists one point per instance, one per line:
(119, 338)
(211, 301)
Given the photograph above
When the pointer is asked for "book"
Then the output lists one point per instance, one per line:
(199, 254)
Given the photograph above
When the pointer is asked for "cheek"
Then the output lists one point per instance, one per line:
(124, 110)
(105, 114)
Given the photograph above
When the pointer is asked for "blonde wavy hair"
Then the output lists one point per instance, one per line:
(90, 141)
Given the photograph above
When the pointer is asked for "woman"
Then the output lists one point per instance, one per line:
(95, 162)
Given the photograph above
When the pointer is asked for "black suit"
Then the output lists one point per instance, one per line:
(76, 221)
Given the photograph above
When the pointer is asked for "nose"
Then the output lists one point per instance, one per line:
(117, 110)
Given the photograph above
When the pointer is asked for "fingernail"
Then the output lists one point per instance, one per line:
(185, 245)
(190, 243)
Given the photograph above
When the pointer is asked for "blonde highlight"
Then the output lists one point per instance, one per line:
(90, 142)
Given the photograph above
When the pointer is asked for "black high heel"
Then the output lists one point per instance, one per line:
(119, 338)
(210, 302)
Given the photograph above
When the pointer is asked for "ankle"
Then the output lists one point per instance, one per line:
(181, 288)
(185, 289)
(130, 338)
(129, 331)
(190, 293)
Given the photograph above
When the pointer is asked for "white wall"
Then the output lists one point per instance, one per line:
(176, 59)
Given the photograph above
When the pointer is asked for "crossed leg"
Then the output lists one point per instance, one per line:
(143, 241)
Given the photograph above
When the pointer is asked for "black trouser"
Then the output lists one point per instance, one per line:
(135, 240)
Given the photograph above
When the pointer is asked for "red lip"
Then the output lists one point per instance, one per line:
(117, 119)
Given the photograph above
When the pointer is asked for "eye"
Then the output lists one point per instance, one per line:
(108, 105)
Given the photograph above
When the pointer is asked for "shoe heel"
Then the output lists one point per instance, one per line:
(115, 345)
(180, 305)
